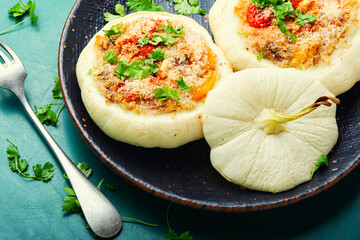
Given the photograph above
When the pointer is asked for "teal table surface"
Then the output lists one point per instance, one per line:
(32, 209)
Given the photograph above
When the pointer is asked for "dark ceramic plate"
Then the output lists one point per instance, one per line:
(185, 175)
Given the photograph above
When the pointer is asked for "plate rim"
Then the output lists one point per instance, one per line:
(153, 190)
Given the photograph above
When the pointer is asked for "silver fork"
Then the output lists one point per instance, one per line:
(100, 213)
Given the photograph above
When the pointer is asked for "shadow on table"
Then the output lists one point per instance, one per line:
(311, 218)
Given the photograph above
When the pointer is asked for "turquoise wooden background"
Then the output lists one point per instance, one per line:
(32, 210)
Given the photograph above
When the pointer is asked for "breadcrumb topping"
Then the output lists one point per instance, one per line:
(336, 20)
(190, 58)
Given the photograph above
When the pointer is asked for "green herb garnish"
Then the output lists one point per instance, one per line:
(157, 54)
(45, 113)
(164, 93)
(323, 160)
(182, 84)
(171, 233)
(139, 69)
(119, 9)
(283, 9)
(111, 57)
(21, 9)
(260, 55)
(113, 31)
(111, 186)
(169, 37)
(144, 5)
(89, 73)
(187, 7)
(41, 173)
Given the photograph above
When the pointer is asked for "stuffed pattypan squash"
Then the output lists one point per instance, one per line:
(267, 128)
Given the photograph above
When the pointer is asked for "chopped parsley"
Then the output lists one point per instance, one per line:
(111, 57)
(144, 5)
(41, 173)
(141, 68)
(89, 73)
(111, 186)
(323, 160)
(113, 31)
(119, 9)
(282, 9)
(136, 69)
(183, 85)
(172, 235)
(157, 54)
(187, 7)
(19, 10)
(167, 38)
(164, 93)
(45, 113)
(260, 55)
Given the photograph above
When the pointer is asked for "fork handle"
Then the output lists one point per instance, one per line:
(100, 213)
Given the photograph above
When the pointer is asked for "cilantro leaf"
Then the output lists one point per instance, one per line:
(260, 55)
(46, 115)
(34, 18)
(304, 19)
(119, 9)
(157, 54)
(89, 73)
(144, 40)
(323, 160)
(57, 89)
(71, 204)
(113, 31)
(164, 93)
(111, 57)
(171, 233)
(282, 9)
(17, 10)
(22, 165)
(144, 5)
(41, 173)
(111, 186)
(139, 69)
(284, 30)
(187, 7)
(84, 168)
(44, 173)
(167, 38)
(183, 85)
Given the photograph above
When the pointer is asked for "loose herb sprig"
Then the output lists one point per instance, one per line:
(21, 9)
(323, 160)
(144, 5)
(171, 233)
(119, 9)
(167, 38)
(183, 7)
(187, 7)
(137, 69)
(42, 173)
(282, 9)
(45, 113)
(164, 93)
(72, 204)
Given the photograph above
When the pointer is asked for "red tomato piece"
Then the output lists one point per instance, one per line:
(295, 3)
(259, 18)
(146, 50)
